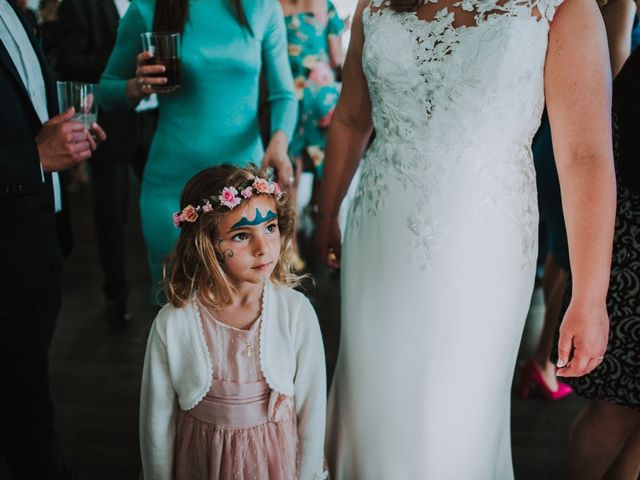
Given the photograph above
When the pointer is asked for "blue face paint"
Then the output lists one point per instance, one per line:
(245, 222)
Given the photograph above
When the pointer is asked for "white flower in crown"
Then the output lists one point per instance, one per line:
(229, 197)
(207, 207)
(275, 190)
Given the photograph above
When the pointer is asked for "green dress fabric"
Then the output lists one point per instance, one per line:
(314, 80)
(213, 117)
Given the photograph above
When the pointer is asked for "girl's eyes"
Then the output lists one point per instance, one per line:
(240, 237)
(272, 228)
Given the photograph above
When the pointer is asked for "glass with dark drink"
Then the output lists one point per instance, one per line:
(165, 48)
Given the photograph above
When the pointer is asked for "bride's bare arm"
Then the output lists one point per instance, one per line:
(347, 139)
(578, 94)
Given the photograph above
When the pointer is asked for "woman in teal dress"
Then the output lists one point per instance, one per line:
(315, 51)
(212, 118)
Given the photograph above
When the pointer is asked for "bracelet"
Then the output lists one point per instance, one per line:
(325, 216)
(322, 216)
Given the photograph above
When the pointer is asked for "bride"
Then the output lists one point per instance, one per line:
(440, 249)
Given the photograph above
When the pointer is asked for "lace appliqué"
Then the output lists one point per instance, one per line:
(412, 87)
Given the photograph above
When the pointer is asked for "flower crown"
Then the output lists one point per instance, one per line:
(229, 197)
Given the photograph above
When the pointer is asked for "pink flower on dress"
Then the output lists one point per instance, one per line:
(229, 197)
(326, 120)
(207, 207)
(247, 192)
(189, 214)
(261, 185)
(177, 219)
(321, 74)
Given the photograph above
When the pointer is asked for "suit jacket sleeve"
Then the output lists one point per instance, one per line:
(78, 58)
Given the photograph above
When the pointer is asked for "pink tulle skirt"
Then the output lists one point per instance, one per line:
(229, 436)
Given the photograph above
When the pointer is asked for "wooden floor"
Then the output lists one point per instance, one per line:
(95, 372)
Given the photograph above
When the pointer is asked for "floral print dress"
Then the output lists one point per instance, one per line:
(314, 80)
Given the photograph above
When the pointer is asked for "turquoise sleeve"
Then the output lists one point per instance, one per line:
(282, 102)
(122, 62)
(335, 25)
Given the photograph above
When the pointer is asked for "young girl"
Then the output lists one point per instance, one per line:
(234, 378)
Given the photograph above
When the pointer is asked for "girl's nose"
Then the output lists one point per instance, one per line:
(260, 247)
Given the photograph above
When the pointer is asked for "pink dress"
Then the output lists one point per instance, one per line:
(240, 430)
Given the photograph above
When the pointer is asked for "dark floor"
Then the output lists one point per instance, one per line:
(95, 372)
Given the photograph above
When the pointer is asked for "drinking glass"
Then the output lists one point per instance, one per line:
(83, 97)
(165, 48)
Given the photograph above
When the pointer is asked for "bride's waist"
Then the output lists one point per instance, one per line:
(427, 149)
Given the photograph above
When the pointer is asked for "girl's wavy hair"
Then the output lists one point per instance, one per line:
(194, 267)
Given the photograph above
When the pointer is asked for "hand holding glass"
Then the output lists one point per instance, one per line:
(83, 97)
(165, 48)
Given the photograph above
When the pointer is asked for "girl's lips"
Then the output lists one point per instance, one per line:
(261, 266)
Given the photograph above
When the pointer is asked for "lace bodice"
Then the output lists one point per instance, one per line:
(455, 105)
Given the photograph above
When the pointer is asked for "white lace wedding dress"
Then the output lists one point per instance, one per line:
(441, 243)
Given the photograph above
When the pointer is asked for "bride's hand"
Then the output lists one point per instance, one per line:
(584, 334)
(328, 240)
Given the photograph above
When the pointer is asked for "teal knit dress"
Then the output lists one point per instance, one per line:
(213, 117)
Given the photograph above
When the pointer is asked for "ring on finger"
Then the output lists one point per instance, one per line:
(140, 81)
(291, 179)
(601, 357)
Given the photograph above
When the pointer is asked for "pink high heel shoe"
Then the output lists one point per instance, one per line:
(530, 374)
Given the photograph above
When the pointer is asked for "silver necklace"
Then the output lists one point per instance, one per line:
(248, 345)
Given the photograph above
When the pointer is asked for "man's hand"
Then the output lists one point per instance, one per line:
(63, 143)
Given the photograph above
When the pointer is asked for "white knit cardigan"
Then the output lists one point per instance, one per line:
(177, 374)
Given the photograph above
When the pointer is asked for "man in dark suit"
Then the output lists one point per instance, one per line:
(35, 143)
(87, 34)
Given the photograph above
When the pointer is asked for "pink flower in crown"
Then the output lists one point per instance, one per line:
(275, 190)
(207, 207)
(247, 192)
(261, 185)
(229, 197)
(189, 214)
(177, 219)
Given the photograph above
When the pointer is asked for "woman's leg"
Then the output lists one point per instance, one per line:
(626, 465)
(603, 439)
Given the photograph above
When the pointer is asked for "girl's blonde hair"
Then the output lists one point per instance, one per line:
(194, 267)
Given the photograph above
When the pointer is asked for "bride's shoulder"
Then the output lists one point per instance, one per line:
(547, 8)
